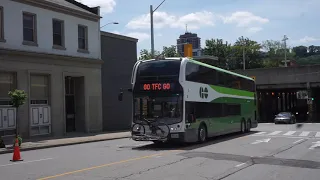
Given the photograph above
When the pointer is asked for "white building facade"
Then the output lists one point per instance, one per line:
(50, 49)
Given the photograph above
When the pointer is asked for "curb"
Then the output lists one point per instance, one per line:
(60, 145)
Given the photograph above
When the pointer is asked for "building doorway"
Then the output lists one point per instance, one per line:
(75, 104)
(70, 104)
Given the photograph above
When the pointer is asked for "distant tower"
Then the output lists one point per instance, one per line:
(189, 38)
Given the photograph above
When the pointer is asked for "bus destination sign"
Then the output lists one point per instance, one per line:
(157, 86)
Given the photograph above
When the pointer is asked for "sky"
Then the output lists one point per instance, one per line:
(258, 20)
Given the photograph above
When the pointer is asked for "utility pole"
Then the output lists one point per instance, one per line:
(151, 26)
(243, 56)
(152, 36)
(285, 38)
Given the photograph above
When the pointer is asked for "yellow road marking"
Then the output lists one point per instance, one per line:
(105, 165)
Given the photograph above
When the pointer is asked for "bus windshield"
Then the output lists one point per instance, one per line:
(166, 109)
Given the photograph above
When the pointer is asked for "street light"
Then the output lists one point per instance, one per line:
(109, 23)
(151, 23)
(285, 38)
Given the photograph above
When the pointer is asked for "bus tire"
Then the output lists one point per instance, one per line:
(202, 133)
(248, 126)
(243, 126)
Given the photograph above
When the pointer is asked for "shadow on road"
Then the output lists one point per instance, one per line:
(190, 146)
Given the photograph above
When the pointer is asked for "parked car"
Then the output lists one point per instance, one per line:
(285, 117)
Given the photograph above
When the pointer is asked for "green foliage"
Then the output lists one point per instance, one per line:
(315, 59)
(19, 140)
(216, 47)
(167, 52)
(170, 51)
(18, 97)
(269, 53)
(145, 54)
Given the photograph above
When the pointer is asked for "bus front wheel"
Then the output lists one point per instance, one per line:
(202, 133)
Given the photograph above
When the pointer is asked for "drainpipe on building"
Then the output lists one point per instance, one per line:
(99, 33)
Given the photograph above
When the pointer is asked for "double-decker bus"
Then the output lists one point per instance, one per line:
(193, 99)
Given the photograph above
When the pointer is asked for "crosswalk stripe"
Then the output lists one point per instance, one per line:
(260, 133)
(317, 135)
(275, 133)
(289, 133)
(304, 133)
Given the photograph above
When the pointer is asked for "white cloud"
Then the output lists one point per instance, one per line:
(254, 29)
(106, 6)
(194, 20)
(308, 39)
(163, 19)
(244, 19)
(115, 32)
(138, 35)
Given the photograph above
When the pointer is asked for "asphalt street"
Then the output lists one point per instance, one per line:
(269, 152)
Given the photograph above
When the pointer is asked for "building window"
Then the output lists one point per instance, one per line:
(7, 83)
(1, 24)
(39, 88)
(58, 33)
(29, 29)
(82, 38)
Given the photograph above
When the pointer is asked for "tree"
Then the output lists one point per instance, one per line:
(250, 49)
(18, 98)
(313, 50)
(145, 54)
(275, 53)
(216, 47)
(301, 51)
(170, 51)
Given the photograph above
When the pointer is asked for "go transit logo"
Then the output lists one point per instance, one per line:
(203, 92)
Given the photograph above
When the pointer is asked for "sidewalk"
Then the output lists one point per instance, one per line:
(41, 143)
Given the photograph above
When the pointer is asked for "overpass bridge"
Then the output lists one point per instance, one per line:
(277, 91)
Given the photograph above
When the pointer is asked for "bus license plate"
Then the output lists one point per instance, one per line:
(174, 135)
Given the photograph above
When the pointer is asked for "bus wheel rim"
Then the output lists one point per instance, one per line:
(202, 134)
(242, 127)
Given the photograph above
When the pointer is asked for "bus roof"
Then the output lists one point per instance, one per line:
(200, 63)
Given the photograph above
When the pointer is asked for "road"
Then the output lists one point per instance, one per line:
(269, 152)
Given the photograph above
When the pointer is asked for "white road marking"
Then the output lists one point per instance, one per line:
(289, 133)
(260, 141)
(240, 164)
(316, 144)
(260, 133)
(292, 137)
(275, 133)
(24, 162)
(317, 135)
(304, 133)
(298, 141)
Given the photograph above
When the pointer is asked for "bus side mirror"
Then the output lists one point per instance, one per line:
(191, 118)
(120, 96)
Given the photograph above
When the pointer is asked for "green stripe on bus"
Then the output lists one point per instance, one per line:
(220, 69)
(224, 90)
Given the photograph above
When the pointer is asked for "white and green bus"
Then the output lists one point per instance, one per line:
(189, 101)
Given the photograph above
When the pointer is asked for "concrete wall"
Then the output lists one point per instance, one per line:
(13, 30)
(285, 77)
(57, 67)
(119, 54)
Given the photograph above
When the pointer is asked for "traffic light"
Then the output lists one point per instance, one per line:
(188, 50)
(312, 99)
